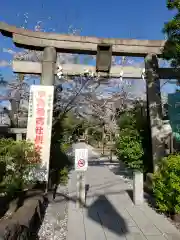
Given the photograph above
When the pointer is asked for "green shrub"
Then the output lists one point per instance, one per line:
(63, 176)
(127, 120)
(166, 185)
(60, 163)
(135, 133)
(18, 157)
(63, 173)
(65, 146)
(129, 149)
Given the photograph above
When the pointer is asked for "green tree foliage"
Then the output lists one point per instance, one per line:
(129, 147)
(94, 135)
(133, 144)
(172, 31)
(72, 125)
(17, 159)
(62, 133)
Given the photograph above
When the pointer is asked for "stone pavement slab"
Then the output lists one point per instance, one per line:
(93, 227)
(109, 212)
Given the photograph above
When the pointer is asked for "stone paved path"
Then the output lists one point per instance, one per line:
(110, 214)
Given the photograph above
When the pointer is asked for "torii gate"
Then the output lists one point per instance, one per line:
(103, 48)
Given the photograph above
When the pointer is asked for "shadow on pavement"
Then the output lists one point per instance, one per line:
(103, 212)
(117, 167)
(147, 197)
(121, 170)
(101, 163)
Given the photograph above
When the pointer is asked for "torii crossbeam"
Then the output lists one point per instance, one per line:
(80, 44)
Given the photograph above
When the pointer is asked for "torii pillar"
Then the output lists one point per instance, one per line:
(154, 107)
(48, 66)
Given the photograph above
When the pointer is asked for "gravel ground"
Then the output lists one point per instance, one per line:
(54, 226)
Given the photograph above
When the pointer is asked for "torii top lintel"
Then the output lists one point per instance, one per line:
(79, 44)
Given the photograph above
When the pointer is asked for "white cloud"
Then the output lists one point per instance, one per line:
(4, 63)
(8, 50)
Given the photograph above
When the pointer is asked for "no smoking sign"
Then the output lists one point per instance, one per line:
(81, 159)
(81, 163)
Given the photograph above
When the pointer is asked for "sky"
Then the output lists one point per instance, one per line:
(122, 19)
(138, 19)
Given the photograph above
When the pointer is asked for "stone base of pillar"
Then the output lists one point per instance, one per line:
(18, 136)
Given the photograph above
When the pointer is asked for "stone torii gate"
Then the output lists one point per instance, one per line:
(104, 49)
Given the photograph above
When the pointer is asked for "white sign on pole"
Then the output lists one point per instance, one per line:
(81, 159)
(40, 125)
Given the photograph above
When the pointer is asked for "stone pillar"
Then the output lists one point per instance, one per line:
(138, 188)
(48, 77)
(48, 66)
(154, 107)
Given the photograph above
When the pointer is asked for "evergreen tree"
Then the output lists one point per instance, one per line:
(171, 29)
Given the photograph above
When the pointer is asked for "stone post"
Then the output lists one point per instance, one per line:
(154, 107)
(81, 191)
(18, 136)
(48, 66)
(138, 188)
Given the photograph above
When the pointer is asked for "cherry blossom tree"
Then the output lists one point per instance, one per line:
(75, 93)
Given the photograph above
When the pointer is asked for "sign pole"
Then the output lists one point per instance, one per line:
(77, 190)
(81, 164)
(80, 202)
